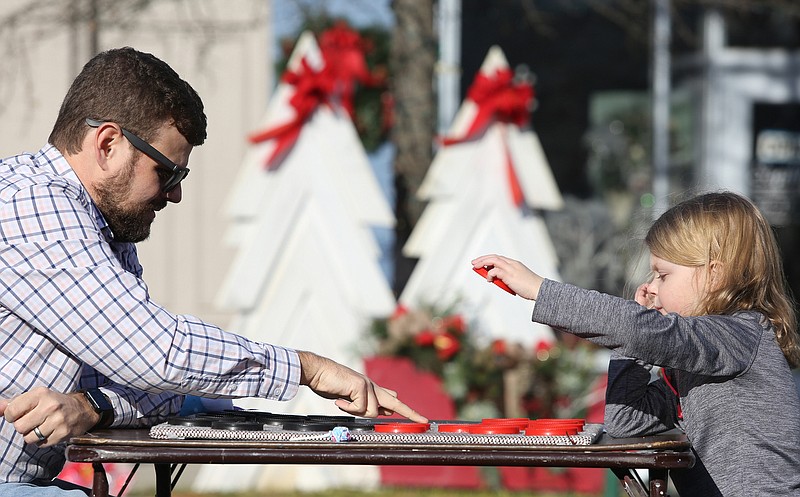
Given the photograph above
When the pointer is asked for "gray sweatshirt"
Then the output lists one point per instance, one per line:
(738, 398)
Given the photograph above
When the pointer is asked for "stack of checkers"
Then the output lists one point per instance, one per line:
(265, 426)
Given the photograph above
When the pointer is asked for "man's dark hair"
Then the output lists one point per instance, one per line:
(136, 90)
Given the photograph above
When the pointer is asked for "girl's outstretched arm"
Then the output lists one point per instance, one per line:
(513, 273)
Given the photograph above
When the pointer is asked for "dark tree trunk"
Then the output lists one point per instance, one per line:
(413, 55)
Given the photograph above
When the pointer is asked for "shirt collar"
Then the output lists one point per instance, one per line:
(50, 156)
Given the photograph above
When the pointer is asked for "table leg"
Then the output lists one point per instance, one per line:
(630, 482)
(658, 482)
(163, 480)
(99, 481)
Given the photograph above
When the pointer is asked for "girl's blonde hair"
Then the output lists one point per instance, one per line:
(727, 230)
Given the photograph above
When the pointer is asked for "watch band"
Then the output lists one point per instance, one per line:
(101, 405)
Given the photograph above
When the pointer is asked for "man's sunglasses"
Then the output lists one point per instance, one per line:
(176, 172)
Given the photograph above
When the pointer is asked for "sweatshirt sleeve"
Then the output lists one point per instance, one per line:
(709, 345)
(635, 405)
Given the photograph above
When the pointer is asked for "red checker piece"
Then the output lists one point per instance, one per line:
(554, 430)
(559, 420)
(455, 428)
(520, 423)
(483, 271)
(491, 429)
(554, 427)
(402, 427)
(579, 423)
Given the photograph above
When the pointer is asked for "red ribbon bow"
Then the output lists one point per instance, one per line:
(342, 50)
(312, 89)
(499, 98)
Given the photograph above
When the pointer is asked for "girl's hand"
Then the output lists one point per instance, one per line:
(513, 273)
(643, 297)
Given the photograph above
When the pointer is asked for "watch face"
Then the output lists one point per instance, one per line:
(101, 405)
(98, 400)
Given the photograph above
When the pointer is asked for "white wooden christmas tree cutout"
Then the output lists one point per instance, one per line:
(307, 271)
(472, 211)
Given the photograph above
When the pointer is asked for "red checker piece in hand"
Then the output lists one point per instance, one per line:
(483, 271)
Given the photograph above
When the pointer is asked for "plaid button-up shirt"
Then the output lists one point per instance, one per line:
(75, 313)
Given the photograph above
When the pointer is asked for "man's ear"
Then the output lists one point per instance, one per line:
(107, 142)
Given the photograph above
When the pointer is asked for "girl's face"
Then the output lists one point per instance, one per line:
(675, 288)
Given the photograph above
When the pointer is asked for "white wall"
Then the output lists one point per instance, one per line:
(222, 48)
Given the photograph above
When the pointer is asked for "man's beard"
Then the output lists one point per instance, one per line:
(129, 223)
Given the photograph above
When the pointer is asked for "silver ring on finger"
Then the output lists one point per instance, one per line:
(39, 434)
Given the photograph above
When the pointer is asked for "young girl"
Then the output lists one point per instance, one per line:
(717, 318)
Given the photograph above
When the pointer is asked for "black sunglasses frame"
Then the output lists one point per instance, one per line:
(178, 173)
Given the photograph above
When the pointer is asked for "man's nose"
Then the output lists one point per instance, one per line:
(175, 195)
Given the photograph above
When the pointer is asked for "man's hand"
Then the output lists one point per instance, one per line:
(354, 393)
(57, 416)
